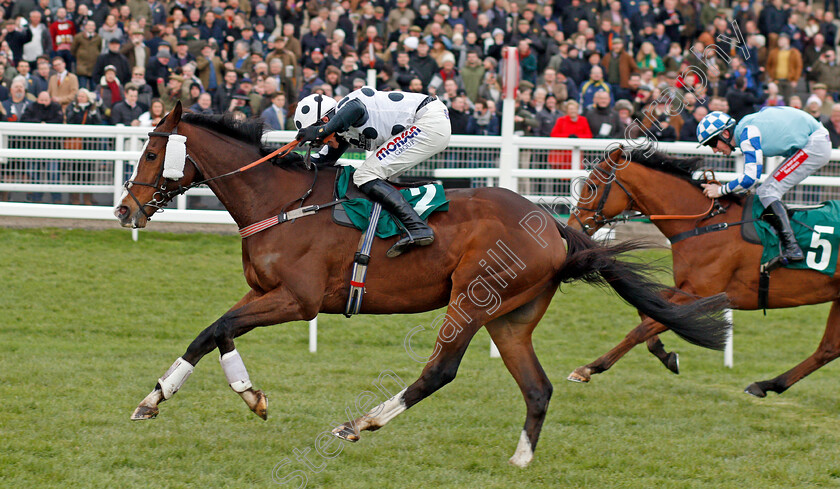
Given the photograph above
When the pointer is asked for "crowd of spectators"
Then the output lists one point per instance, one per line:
(588, 69)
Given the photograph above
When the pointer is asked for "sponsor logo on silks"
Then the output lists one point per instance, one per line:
(399, 143)
(790, 165)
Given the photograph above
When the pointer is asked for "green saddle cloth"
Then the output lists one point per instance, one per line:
(425, 200)
(817, 232)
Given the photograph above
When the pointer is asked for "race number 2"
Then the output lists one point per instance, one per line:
(423, 204)
(819, 246)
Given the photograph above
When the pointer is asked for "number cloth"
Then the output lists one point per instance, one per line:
(425, 200)
(820, 247)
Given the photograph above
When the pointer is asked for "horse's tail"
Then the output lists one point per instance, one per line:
(699, 322)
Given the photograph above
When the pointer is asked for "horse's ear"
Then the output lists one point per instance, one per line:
(176, 114)
(617, 155)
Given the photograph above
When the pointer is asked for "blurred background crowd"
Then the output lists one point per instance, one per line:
(588, 69)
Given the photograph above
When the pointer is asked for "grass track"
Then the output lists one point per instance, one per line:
(89, 321)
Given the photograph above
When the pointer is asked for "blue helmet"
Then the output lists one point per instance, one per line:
(712, 126)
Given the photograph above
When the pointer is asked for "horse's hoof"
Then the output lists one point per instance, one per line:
(346, 433)
(673, 363)
(518, 463)
(261, 406)
(144, 412)
(580, 375)
(755, 390)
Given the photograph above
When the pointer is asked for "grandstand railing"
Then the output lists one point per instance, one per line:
(34, 159)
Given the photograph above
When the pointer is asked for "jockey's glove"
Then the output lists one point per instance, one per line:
(353, 113)
(314, 135)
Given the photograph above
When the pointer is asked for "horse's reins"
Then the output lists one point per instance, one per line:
(162, 196)
(600, 219)
(709, 213)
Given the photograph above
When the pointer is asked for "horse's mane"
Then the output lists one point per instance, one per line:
(680, 167)
(249, 131)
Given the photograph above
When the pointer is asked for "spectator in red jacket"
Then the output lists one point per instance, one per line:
(571, 125)
(62, 31)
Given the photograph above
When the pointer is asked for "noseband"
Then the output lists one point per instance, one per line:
(163, 195)
(599, 219)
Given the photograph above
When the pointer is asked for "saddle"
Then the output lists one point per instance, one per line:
(749, 233)
(357, 211)
(354, 212)
(817, 230)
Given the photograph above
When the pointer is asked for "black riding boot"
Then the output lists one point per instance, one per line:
(419, 233)
(778, 218)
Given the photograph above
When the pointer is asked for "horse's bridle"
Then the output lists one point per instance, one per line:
(599, 219)
(162, 196)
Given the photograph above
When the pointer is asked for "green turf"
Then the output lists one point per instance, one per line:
(90, 320)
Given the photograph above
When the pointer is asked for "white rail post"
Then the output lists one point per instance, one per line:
(494, 350)
(509, 153)
(728, 352)
(313, 335)
(119, 165)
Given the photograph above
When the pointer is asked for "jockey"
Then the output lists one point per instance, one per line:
(773, 131)
(399, 129)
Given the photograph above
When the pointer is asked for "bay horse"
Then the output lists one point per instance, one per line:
(301, 267)
(655, 184)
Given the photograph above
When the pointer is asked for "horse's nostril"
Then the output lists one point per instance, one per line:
(122, 211)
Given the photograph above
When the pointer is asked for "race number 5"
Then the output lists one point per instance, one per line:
(423, 204)
(818, 242)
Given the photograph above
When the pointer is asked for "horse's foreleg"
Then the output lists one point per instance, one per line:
(203, 344)
(828, 350)
(648, 330)
(670, 359)
(640, 333)
(178, 373)
(277, 306)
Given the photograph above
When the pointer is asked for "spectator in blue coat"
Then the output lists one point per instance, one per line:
(275, 115)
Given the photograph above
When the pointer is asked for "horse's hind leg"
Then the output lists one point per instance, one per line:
(456, 329)
(828, 350)
(512, 335)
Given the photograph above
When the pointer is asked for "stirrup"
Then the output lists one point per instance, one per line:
(407, 242)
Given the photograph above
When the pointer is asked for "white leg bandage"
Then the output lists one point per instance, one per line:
(235, 371)
(175, 377)
(175, 158)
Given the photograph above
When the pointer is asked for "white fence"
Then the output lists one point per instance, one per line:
(33, 160)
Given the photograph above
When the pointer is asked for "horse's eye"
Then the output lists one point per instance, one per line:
(151, 156)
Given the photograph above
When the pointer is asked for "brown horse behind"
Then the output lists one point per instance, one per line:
(703, 265)
(497, 262)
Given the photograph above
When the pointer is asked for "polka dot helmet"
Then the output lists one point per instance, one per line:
(312, 109)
